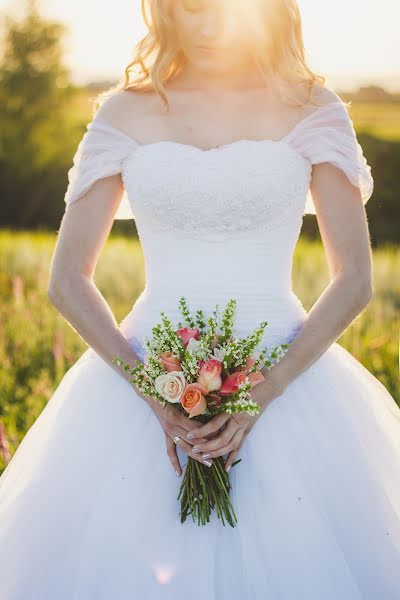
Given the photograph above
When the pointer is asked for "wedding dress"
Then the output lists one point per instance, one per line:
(88, 503)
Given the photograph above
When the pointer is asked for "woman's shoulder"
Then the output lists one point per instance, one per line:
(323, 95)
(119, 107)
(101, 151)
(324, 111)
(314, 97)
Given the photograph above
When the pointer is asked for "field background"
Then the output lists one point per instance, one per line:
(379, 119)
(37, 345)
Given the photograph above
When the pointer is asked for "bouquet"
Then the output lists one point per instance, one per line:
(202, 368)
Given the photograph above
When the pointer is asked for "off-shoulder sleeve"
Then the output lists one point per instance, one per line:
(328, 135)
(101, 152)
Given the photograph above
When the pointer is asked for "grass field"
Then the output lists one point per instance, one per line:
(37, 345)
(380, 119)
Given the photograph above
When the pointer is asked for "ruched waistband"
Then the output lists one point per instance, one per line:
(285, 317)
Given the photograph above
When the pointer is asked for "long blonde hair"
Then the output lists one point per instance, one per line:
(276, 35)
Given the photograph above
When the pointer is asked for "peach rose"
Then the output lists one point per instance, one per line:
(170, 361)
(185, 334)
(193, 400)
(210, 374)
(170, 385)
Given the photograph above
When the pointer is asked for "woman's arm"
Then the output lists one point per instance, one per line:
(84, 229)
(344, 231)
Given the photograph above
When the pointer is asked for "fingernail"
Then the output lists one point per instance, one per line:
(196, 450)
(227, 468)
(190, 435)
(207, 462)
(178, 474)
(206, 455)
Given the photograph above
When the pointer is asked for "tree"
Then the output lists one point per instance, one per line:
(34, 87)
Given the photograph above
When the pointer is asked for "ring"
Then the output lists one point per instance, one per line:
(176, 438)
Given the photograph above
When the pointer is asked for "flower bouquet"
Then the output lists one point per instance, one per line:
(203, 369)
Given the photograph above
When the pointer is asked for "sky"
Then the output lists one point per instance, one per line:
(351, 42)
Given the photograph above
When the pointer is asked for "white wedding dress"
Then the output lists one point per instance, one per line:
(88, 503)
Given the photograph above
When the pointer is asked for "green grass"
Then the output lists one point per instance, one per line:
(37, 345)
(380, 119)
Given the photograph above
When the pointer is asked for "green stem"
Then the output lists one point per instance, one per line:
(226, 493)
(203, 502)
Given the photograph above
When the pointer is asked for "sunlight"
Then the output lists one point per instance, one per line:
(348, 41)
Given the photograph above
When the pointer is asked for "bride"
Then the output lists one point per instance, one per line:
(217, 148)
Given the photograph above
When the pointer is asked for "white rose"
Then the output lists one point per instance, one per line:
(219, 354)
(193, 345)
(171, 385)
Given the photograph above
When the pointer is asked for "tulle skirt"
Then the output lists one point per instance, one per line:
(89, 509)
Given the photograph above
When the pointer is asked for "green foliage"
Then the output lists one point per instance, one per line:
(377, 119)
(37, 345)
(35, 146)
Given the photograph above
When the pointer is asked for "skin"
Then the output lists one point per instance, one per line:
(215, 99)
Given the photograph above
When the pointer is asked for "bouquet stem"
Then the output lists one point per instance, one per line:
(204, 488)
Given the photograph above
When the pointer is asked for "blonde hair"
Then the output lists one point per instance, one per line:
(276, 36)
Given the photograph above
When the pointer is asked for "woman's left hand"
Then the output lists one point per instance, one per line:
(235, 426)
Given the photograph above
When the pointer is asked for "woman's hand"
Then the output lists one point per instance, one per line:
(236, 427)
(175, 423)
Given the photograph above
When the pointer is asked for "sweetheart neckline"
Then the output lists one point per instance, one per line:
(134, 151)
(215, 148)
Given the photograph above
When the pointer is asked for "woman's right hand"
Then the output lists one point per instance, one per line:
(175, 423)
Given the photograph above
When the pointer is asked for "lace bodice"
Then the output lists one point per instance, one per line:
(170, 184)
(220, 222)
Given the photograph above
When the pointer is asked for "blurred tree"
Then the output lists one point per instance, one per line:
(34, 88)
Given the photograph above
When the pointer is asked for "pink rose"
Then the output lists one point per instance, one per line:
(249, 363)
(232, 382)
(186, 334)
(210, 374)
(255, 377)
